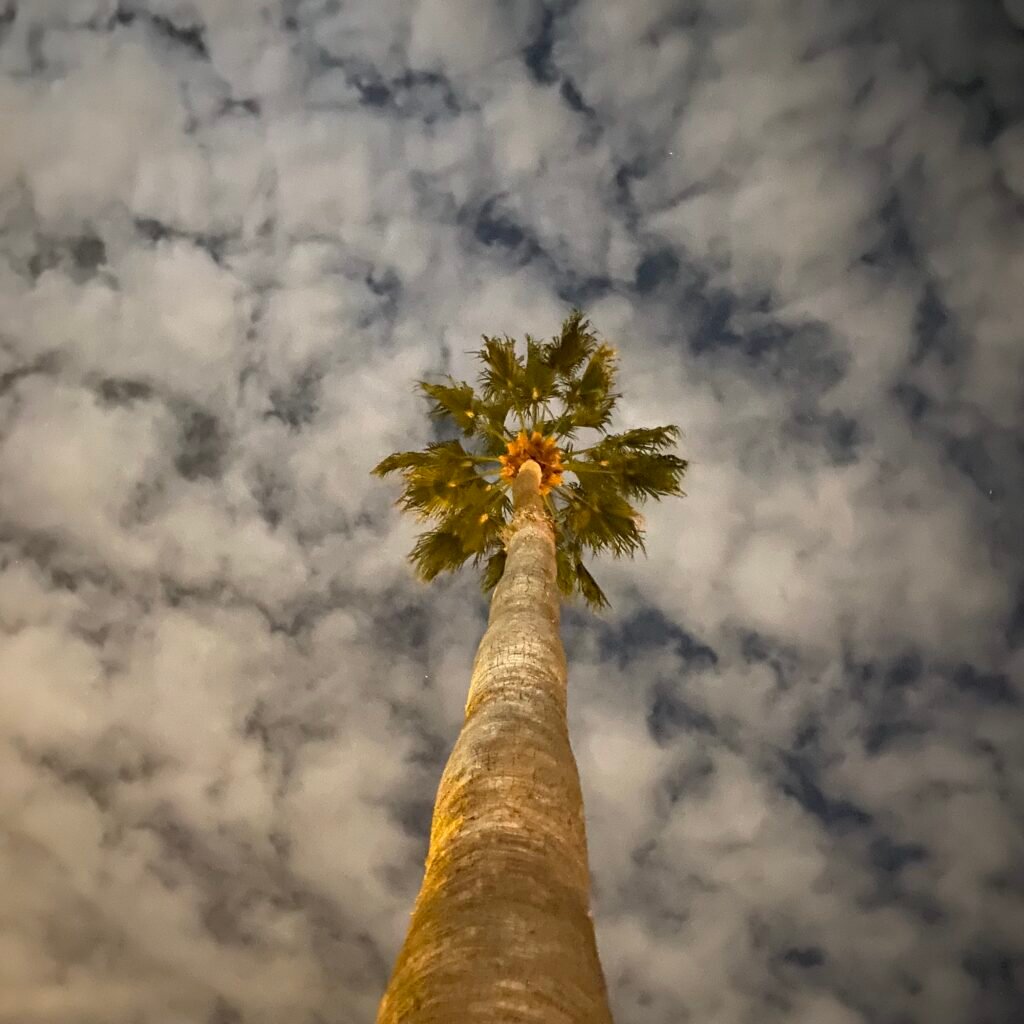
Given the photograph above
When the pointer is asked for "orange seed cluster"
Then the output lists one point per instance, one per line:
(543, 450)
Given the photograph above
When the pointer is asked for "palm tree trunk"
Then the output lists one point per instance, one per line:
(501, 930)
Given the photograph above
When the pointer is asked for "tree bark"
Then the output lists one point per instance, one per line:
(501, 930)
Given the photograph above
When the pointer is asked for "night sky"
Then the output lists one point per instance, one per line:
(234, 232)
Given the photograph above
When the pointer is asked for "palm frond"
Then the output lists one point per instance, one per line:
(560, 426)
(567, 553)
(637, 475)
(539, 379)
(492, 416)
(399, 461)
(566, 353)
(455, 401)
(437, 551)
(503, 373)
(534, 406)
(572, 575)
(590, 400)
(601, 519)
(587, 586)
(643, 439)
(432, 476)
(477, 515)
(494, 569)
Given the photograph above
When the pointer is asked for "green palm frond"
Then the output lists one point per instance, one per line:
(559, 388)
(438, 551)
(539, 379)
(566, 555)
(567, 353)
(587, 586)
(601, 519)
(400, 461)
(493, 570)
(634, 462)
(643, 439)
(455, 401)
(493, 414)
(503, 373)
(589, 399)
(433, 476)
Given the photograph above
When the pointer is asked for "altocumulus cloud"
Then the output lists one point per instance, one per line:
(231, 233)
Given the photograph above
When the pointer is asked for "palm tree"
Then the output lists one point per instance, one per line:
(501, 930)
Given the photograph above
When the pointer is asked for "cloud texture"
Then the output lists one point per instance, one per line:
(233, 233)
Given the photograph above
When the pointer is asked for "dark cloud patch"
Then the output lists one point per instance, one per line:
(649, 629)
(406, 625)
(45, 258)
(883, 732)
(891, 857)
(782, 659)
(415, 816)
(711, 321)
(297, 404)
(985, 117)
(581, 290)
(282, 732)
(991, 688)
(804, 956)
(537, 53)
(657, 269)
(250, 106)
(671, 715)
(224, 1012)
(999, 976)
(47, 364)
(387, 285)
(96, 784)
(572, 95)
(272, 493)
(688, 778)
(973, 456)
(123, 391)
(884, 690)
(800, 781)
(190, 36)
(1015, 621)
(203, 443)
(80, 257)
(894, 246)
(340, 945)
(801, 355)
(911, 399)
(428, 96)
(497, 229)
(8, 12)
(88, 252)
(935, 330)
(841, 436)
(155, 231)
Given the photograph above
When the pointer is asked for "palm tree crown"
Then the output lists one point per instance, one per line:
(534, 408)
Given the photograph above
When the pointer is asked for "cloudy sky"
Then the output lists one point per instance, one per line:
(232, 232)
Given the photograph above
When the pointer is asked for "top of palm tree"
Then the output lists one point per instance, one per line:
(534, 406)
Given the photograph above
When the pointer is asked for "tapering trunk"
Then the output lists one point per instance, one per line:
(501, 930)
